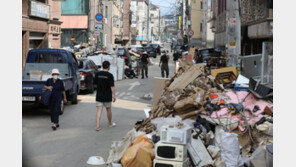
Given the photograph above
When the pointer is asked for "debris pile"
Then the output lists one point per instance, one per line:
(228, 127)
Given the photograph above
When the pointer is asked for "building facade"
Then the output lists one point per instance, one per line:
(126, 22)
(256, 25)
(154, 23)
(75, 22)
(117, 22)
(140, 21)
(256, 18)
(41, 25)
(207, 33)
(196, 20)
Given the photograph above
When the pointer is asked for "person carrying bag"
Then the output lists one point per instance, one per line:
(55, 87)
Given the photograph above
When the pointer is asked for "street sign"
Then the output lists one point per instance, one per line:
(99, 17)
(190, 33)
(98, 28)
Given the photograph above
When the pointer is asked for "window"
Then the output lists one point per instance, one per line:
(152, 15)
(201, 5)
(200, 27)
(106, 11)
(44, 58)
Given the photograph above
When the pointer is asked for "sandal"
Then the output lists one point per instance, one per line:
(54, 128)
(98, 129)
(113, 124)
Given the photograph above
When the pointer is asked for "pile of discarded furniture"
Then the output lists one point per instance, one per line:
(200, 120)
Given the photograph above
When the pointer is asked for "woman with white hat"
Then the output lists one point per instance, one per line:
(57, 93)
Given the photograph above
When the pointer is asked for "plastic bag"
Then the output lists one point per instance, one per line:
(230, 151)
(266, 128)
(140, 154)
(118, 148)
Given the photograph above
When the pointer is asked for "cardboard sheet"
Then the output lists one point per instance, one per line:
(159, 84)
(187, 77)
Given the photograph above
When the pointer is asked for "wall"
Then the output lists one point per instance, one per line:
(54, 27)
(126, 19)
(196, 21)
(75, 7)
(154, 22)
(32, 25)
(254, 11)
(116, 21)
(107, 38)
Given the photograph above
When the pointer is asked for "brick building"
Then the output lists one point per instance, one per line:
(126, 22)
(256, 23)
(41, 25)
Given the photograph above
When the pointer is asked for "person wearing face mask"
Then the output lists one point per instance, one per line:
(57, 95)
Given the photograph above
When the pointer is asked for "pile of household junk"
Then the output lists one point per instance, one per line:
(197, 122)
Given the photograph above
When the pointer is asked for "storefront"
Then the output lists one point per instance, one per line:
(35, 28)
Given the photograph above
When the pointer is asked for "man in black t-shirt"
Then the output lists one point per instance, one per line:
(144, 63)
(176, 57)
(164, 64)
(105, 93)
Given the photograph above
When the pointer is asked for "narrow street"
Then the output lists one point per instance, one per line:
(76, 140)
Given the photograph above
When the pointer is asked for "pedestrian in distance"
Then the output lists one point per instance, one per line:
(144, 58)
(105, 94)
(164, 64)
(57, 93)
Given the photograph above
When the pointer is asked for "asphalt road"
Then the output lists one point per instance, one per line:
(76, 139)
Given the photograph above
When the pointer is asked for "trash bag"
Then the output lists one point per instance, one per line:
(140, 154)
(230, 151)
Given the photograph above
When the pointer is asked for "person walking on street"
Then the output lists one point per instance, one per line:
(164, 64)
(144, 63)
(57, 93)
(105, 94)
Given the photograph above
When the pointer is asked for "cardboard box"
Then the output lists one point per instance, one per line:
(35, 75)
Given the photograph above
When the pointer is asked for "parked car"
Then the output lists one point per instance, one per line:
(124, 53)
(137, 48)
(87, 71)
(43, 61)
(178, 49)
(150, 51)
(156, 48)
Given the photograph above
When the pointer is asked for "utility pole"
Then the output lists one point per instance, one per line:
(233, 32)
(91, 22)
(159, 24)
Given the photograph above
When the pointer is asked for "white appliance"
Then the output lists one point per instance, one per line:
(113, 71)
(120, 65)
(171, 134)
(170, 152)
(163, 163)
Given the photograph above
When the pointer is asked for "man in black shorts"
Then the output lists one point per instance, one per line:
(144, 64)
(105, 94)
(164, 64)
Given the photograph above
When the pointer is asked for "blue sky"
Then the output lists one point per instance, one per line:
(166, 6)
